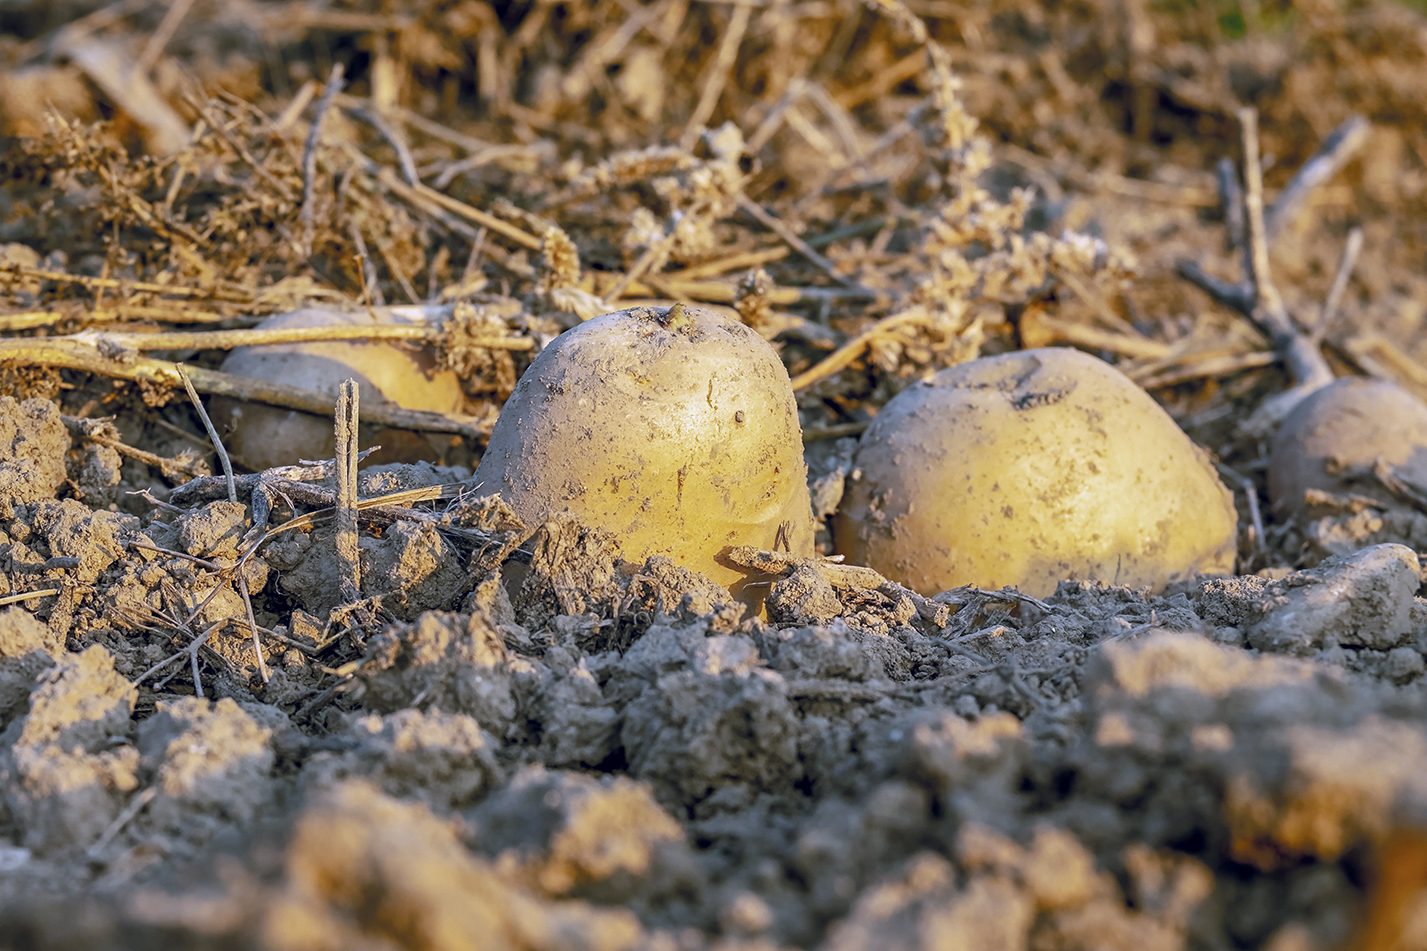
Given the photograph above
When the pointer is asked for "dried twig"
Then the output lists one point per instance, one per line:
(98, 431)
(345, 537)
(1251, 495)
(212, 432)
(135, 806)
(27, 596)
(798, 244)
(419, 192)
(717, 74)
(1332, 155)
(232, 497)
(307, 217)
(77, 353)
(849, 352)
(394, 139)
(1259, 300)
(230, 339)
(1340, 285)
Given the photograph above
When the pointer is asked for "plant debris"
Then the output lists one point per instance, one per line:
(314, 706)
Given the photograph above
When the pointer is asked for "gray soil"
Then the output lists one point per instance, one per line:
(518, 740)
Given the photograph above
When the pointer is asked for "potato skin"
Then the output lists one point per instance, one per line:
(1354, 420)
(677, 433)
(261, 436)
(1028, 468)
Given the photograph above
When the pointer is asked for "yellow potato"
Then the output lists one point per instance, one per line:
(673, 429)
(1353, 423)
(261, 436)
(1028, 468)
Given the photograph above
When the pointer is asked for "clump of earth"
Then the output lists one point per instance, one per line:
(517, 739)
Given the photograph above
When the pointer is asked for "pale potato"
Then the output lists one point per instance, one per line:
(674, 429)
(1028, 468)
(261, 436)
(1349, 424)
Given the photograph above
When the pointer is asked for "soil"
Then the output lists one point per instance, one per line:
(223, 726)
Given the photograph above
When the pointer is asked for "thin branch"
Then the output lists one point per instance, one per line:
(308, 215)
(718, 75)
(845, 355)
(230, 339)
(1304, 360)
(393, 138)
(1332, 155)
(154, 48)
(798, 244)
(1231, 202)
(74, 353)
(1340, 284)
(212, 432)
(415, 193)
(1239, 297)
(345, 419)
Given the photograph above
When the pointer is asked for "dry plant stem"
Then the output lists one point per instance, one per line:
(222, 292)
(232, 497)
(718, 74)
(1383, 358)
(646, 260)
(1304, 360)
(1251, 495)
(77, 354)
(175, 312)
(29, 320)
(734, 262)
(1096, 339)
(393, 138)
(837, 431)
(1332, 155)
(229, 339)
(300, 101)
(418, 193)
(1239, 297)
(135, 806)
(212, 433)
(216, 124)
(1231, 201)
(27, 595)
(798, 244)
(844, 356)
(307, 216)
(345, 538)
(371, 288)
(191, 651)
(208, 488)
(1178, 370)
(263, 673)
(1340, 285)
(84, 429)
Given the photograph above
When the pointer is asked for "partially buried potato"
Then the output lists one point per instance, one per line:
(1028, 468)
(1350, 424)
(674, 429)
(261, 436)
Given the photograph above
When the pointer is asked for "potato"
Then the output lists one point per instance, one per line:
(261, 436)
(1028, 468)
(1352, 422)
(673, 429)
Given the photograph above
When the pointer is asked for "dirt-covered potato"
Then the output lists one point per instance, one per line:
(263, 436)
(1350, 424)
(674, 429)
(1028, 468)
